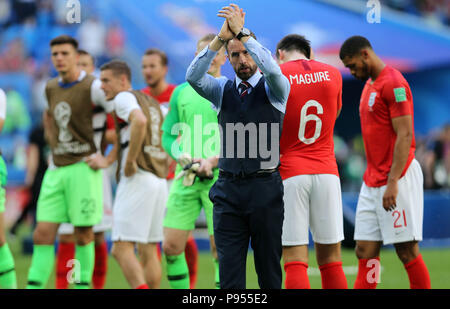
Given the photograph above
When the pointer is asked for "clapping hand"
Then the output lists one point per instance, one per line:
(234, 21)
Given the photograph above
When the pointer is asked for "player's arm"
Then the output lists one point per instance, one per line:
(98, 97)
(32, 159)
(171, 127)
(206, 166)
(197, 73)
(138, 124)
(98, 160)
(204, 84)
(47, 122)
(399, 102)
(277, 84)
(404, 130)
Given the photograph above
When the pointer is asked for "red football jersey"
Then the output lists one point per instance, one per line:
(306, 145)
(164, 100)
(386, 98)
(110, 125)
(164, 97)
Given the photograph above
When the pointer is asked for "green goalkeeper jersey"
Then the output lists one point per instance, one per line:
(190, 126)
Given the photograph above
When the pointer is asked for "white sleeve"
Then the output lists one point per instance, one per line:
(124, 104)
(46, 107)
(2, 104)
(98, 96)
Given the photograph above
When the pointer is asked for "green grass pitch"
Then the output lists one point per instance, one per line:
(393, 275)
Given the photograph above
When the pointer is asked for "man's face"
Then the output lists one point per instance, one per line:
(64, 57)
(153, 70)
(111, 84)
(240, 60)
(358, 67)
(218, 61)
(86, 64)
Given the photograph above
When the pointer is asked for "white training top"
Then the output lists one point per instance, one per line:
(2, 104)
(124, 103)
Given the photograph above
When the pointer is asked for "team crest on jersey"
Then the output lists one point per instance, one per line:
(372, 97)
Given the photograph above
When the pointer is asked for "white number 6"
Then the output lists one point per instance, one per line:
(311, 117)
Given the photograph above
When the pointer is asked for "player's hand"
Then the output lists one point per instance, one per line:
(235, 17)
(184, 159)
(205, 168)
(130, 168)
(225, 32)
(390, 195)
(96, 161)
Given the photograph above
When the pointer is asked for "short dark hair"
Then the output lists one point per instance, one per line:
(82, 52)
(207, 38)
(162, 55)
(295, 42)
(64, 39)
(118, 67)
(353, 45)
(251, 34)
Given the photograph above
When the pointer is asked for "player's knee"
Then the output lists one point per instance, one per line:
(171, 248)
(99, 238)
(83, 236)
(406, 253)
(295, 254)
(42, 236)
(115, 252)
(2, 240)
(362, 252)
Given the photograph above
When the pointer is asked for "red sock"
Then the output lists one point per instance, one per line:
(142, 287)
(101, 266)
(66, 252)
(296, 275)
(368, 274)
(333, 276)
(418, 275)
(191, 253)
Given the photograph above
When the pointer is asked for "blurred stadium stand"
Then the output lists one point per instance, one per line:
(413, 36)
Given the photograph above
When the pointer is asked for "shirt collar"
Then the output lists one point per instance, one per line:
(254, 80)
(80, 77)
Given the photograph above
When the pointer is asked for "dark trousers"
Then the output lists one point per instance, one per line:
(248, 210)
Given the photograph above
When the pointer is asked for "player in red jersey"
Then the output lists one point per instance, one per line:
(312, 191)
(390, 204)
(154, 69)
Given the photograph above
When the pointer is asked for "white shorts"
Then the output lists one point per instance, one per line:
(404, 223)
(106, 223)
(139, 208)
(312, 201)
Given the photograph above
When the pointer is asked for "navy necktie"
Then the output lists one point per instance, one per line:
(244, 88)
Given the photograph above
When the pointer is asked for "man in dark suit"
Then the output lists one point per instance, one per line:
(248, 195)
